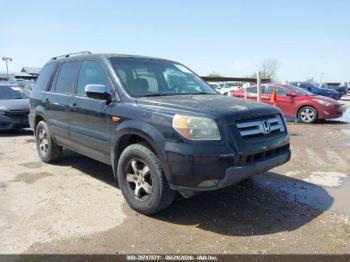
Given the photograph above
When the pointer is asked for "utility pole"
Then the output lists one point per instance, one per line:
(321, 79)
(258, 86)
(7, 59)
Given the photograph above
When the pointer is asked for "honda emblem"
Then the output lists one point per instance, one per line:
(266, 127)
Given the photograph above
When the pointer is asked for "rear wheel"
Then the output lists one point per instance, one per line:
(307, 114)
(48, 150)
(141, 179)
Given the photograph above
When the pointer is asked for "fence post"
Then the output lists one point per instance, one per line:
(258, 86)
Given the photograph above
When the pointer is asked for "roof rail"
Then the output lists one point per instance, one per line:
(71, 54)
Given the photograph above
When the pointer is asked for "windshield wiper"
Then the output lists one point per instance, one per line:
(155, 94)
(199, 93)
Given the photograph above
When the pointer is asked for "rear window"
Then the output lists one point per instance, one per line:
(66, 77)
(45, 77)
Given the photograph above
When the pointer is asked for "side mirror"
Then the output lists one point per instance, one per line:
(98, 92)
(291, 94)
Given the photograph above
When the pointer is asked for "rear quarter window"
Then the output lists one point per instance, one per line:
(45, 77)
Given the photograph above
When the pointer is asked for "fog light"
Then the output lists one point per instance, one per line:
(326, 112)
(208, 183)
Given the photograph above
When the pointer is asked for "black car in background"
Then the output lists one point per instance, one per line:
(14, 107)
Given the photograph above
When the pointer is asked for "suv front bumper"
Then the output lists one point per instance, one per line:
(213, 167)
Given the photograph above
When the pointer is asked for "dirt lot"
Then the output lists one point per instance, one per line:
(75, 207)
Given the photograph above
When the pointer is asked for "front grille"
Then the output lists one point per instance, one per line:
(262, 156)
(260, 126)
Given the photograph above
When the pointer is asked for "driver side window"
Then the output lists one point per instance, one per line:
(91, 72)
(280, 91)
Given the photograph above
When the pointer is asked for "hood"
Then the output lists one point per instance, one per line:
(340, 88)
(325, 91)
(14, 104)
(216, 106)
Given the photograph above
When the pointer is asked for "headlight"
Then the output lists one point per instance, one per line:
(2, 108)
(196, 128)
(322, 102)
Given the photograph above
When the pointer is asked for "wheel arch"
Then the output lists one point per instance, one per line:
(131, 132)
(39, 116)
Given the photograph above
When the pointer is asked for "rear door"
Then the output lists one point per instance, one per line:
(58, 101)
(91, 118)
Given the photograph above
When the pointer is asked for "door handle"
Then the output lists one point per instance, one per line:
(73, 107)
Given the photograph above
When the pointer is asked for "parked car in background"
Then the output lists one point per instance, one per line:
(295, 102)
(222, 88)
(342, 89)
(29, 88)
(317, 90)
(234, 86)
(161, 127)
(14, 107)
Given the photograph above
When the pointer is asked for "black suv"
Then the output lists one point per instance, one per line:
(161, 128)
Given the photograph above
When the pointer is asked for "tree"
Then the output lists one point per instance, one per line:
(310, 80)
(214, 74)
(269, 68)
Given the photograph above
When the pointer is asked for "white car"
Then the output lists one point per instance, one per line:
(222, 88)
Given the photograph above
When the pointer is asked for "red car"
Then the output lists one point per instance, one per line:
(296, 103)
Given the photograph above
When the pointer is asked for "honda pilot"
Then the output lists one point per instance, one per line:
(161, 128)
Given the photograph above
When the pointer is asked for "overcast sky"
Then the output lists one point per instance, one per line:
(229, 37)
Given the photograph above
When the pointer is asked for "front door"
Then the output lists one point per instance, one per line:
(284, 102)
(91, 118)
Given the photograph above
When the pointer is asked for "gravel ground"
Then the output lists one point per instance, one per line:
(74, 206)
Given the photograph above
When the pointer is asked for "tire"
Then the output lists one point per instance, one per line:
(48, 150)
(307, 114)
(141, 180)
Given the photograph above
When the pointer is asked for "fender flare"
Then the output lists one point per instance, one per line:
(40, 111)
(147, 132)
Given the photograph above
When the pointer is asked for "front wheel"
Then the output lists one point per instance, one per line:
(307, 114)
(141, 180)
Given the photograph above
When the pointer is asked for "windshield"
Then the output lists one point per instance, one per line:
(12, 92)
(300, 90)
(148, 77)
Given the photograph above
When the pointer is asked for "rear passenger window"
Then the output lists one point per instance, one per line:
(66, 77)
(45, 77)
(91, 72)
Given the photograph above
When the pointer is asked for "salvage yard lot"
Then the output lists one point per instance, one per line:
(74, 205)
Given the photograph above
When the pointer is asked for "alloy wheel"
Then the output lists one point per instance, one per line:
(139, 179)
(43, 141)
(307, 115)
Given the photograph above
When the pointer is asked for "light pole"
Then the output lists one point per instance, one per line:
(322, 74)
(7, 59)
